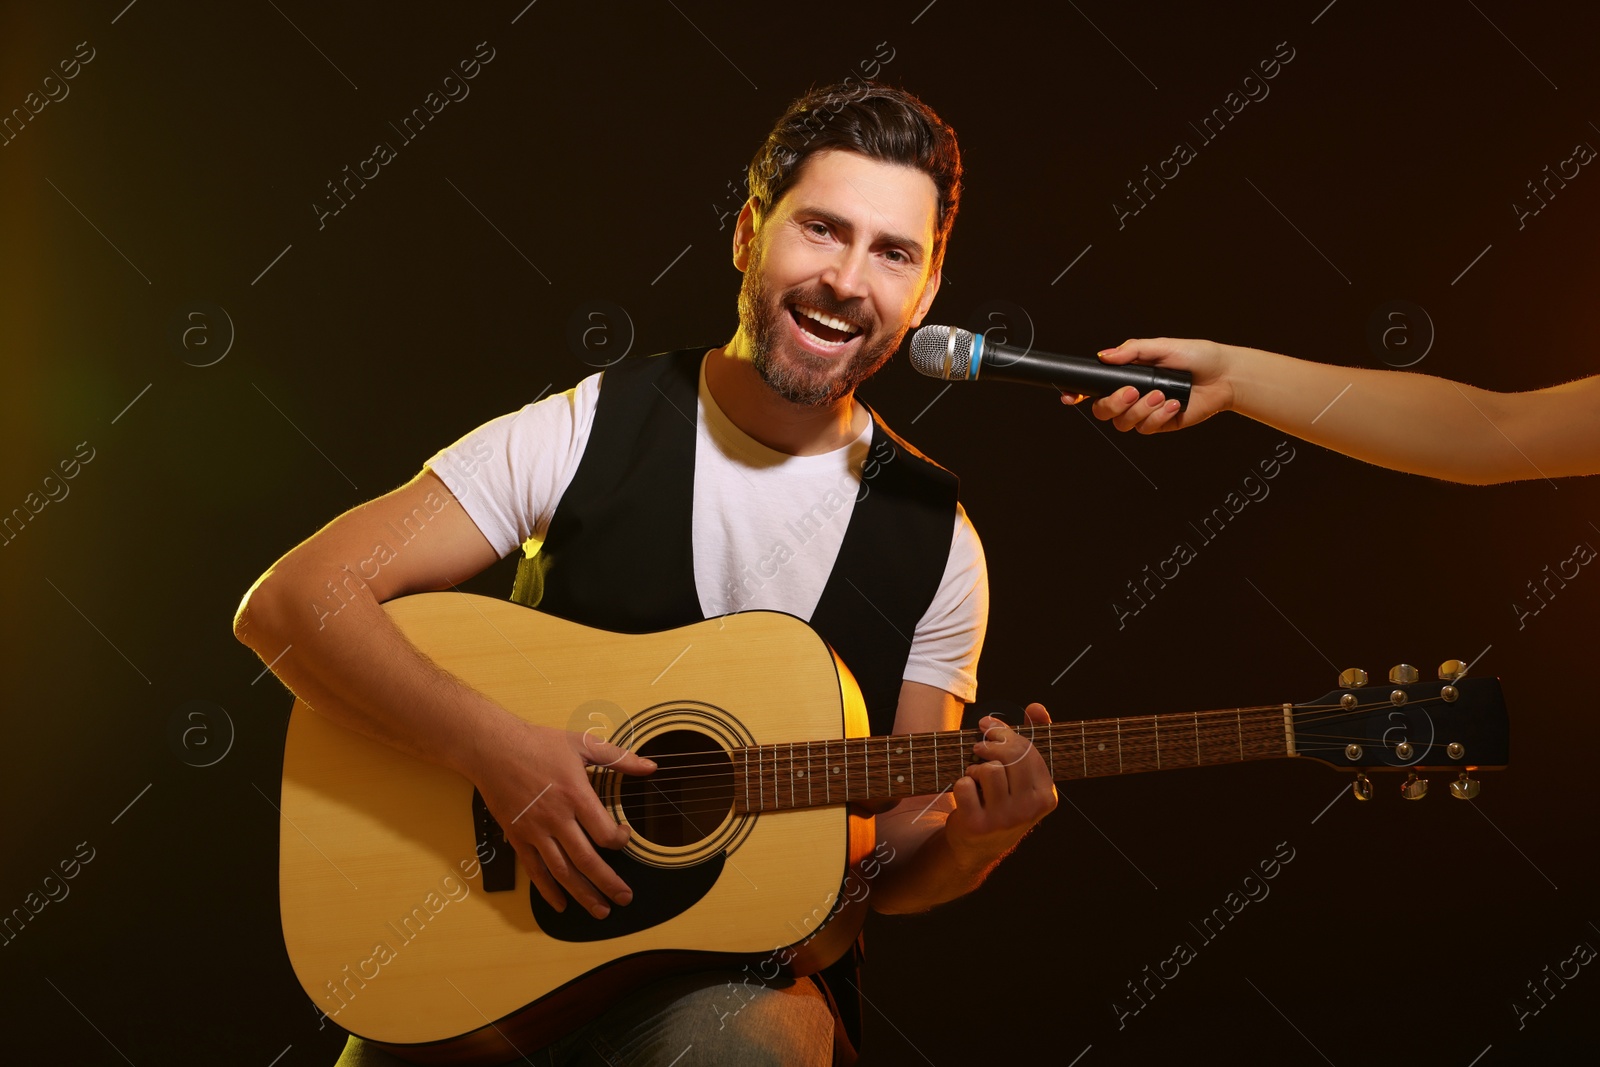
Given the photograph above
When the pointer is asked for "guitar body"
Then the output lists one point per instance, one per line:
(412, 926)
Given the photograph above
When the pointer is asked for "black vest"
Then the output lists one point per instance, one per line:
(619, 552)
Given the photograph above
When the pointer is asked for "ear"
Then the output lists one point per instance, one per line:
(929, 291)
(744, 232)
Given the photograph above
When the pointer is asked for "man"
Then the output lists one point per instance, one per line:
(686, 486)
(1397, 419)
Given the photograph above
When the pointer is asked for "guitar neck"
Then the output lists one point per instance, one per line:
(811, 774)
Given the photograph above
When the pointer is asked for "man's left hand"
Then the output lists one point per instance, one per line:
(1000, 799)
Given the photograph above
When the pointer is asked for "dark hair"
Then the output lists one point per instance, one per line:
(876, 121)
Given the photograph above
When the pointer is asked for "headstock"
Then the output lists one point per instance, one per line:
(1453, 724)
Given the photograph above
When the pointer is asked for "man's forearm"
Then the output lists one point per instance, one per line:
(931, 874)
(359, 670)
(316, 618)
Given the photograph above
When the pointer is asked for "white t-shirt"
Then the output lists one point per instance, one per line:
(767, 526)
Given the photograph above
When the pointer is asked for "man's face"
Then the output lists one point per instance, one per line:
(836, 274)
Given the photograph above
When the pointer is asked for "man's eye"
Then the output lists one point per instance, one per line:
(817, 229)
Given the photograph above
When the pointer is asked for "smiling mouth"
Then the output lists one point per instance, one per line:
(827, 330)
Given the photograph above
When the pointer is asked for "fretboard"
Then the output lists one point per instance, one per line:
(810, 774)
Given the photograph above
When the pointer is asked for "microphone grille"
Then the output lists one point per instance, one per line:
(942, 352)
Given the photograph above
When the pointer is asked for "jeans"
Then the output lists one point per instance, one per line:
(686, 1020)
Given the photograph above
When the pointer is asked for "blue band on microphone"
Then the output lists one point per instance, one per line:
(977, 356)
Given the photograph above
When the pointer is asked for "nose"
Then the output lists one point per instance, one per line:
(847, 274)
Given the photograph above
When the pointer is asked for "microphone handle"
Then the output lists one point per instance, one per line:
(1078, 374)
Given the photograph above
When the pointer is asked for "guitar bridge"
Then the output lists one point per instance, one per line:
(496, 858)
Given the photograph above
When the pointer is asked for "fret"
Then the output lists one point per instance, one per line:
(1155, 724)
(1119, 745)
(866, 768)
(808, 774)
(1083, 743)
(912, 743)
(761, 800)
(1191, 734)
(827, 775)
(1050, 737)
(935, 786)
(1239, 724)
(888, 771)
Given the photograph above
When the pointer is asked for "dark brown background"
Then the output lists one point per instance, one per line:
(600, 142)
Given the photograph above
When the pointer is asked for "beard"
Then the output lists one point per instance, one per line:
(798, 376)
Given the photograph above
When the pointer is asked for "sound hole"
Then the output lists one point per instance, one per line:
(688, 796)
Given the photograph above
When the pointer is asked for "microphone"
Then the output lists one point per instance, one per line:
(961, 355)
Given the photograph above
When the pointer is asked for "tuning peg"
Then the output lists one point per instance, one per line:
(1352, 678)
(1362, 787)
(1452, 669)
(1414, 788)
(1402, 674)
(1464, 788)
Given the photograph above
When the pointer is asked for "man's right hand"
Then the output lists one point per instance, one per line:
(534, 780)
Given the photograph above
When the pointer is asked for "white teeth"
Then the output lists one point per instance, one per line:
(827, 320)
(823, 342)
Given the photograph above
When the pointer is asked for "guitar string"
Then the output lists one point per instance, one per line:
(879, 788)
(1303, 715)
(1126, 724)
(722, 781)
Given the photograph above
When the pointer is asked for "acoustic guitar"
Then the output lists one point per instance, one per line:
(409, 923)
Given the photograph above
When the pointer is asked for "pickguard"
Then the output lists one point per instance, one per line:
(659, 894)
